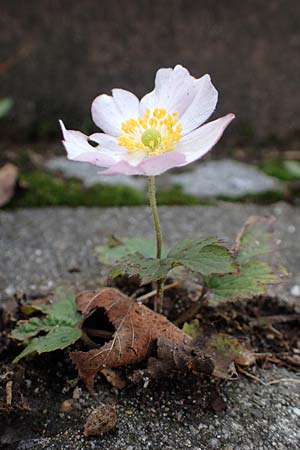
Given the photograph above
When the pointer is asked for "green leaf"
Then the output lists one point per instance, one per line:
(30, 328)
(5, 106)
(60, 323)
(116, 249)
(205, 256)
(57, 339)
(191, 328)
(253, 279)
(147, 269)
(186, 244)
(254, 246)
(63, 308)
(255, 239)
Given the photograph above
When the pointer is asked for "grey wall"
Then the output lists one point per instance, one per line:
(56, 56)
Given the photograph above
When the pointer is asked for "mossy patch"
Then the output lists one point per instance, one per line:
(38, 188)
(42, 189)
(260, 198)
(287, 170)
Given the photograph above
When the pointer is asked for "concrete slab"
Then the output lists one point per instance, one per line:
(40, 248)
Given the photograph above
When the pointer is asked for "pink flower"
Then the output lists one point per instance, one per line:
(147, 137)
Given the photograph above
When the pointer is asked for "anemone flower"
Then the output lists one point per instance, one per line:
(149, 136)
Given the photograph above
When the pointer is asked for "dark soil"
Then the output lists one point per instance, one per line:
(40, 386)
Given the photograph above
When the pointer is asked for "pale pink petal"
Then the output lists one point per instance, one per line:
(78, 149)
(160, 164)
(111, 143)
(122, 168)
(174, 90)
(195, 144)
(154, 165)
(127, 103)
(151, 100)
(202, 106)
(107, 141)
(106, 115)
(108, 112)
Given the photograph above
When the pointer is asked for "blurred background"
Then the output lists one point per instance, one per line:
(57, 56)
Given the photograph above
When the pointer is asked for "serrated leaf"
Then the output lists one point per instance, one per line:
(60, 322)
(205, 256)
(116, 249)
(30, 328)
(255, 240)
(254, 245)
(187, 244)
(253, 279)
(57, 339)
(147, 269)
(63, 308)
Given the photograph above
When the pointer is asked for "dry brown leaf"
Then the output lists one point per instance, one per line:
(114, 379)
(225, 351)
(173, 357)
(8, 178)
(136, 332)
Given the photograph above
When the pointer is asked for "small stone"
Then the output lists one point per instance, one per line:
(214, 443)
(100, 421)
(296, 411)
(77, 393)
(291, 229)
(89, 174)
(66, 406)
(10, 291)
(295, 290)
(234, 179)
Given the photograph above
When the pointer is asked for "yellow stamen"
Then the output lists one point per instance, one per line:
(155, 133)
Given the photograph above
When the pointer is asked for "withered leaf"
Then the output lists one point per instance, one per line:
(8, 179)
(173, 357)
(114, 379)
(136, 332)
(225, 351)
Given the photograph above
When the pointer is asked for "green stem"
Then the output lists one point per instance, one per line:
(158, 305)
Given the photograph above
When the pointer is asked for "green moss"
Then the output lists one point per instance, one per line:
(287, 170)
(175, 196)
(40, 188)
(43, 189)
(262, 198)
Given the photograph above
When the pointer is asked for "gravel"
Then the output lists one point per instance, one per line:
(177, 414)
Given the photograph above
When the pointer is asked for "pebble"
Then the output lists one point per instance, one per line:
(295, 290)
(296, 411)
(214, 443)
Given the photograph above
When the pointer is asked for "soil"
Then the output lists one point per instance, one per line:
(42, 401)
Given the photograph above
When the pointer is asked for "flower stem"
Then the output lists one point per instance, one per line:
(158, 303)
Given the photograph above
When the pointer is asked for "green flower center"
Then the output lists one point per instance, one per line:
(151, 138)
